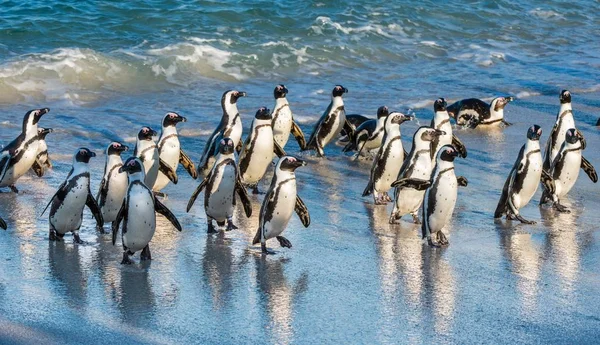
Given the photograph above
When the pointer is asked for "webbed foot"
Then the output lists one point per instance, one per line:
(561, 208)
(284, 242)
(14, 189)
(415, 218)
(441, 238)
(230, 225)
(77, 239)
(145, 255)
(126, 260)
(433, 244)
(264, 250)
(100, 229)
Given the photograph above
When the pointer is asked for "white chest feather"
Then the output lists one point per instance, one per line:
(20, 167)
(569, 173)
(68, 215)
(391, 161)
(273, 224)
(259, 153)
(533, 161)
(115, 194)
(337, 118)
(440, 200)
(141, 218)
(282, 122)
(219, 203)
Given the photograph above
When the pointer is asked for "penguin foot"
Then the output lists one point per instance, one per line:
(380, 201)
(264, 250)
(255, 191)
(14, 189)
(524, 221)
(100, 229)
(77, 239)
(441, 239)
(231, 226)
(387, 197)
(211, 228)
(284, 242)
(433, 244)
(561, 208)
(415, 218)
(52, 236)
(394, 219)
(126, 260)
(145, 255)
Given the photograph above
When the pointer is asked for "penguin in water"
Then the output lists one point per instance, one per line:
(331, 122)
(474, 112)
(388, 161)
(147, 151)
(369, 134)
(523, 179)
(257, 151)
(441, 121)
(66, 213)
(229, 127)
(18, 156)
(113, 186)
(418, 165)
(283, 121)
(354, 120)
(2, 224)
(138, 213)
(279, 203)
(222, 183)
(565, 170)
(170, 152)
(42, 161)
(440, 196)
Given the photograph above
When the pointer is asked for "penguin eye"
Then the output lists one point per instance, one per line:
(131, 163)
(539, 131)
(115, 145)
(82, 152)
(292, 159)
(222, 142)
(145, 130)
(171, 115)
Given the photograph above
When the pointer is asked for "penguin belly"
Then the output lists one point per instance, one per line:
(391, 167)
(373, 144)
(530, 182)
(408, 200)
(169, 153)
(282, 126)
(444, 194)
(568, 174)
(261, 156)
(42, 147)
(220, 201)
(151, 168)
(141, 219)
(69, 213)
(235, 133)
(284, 208)
(20, 167)
(117, 190)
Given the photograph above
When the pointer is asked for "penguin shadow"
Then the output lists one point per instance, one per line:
(135, 297)
(218, 267)
(66, 268)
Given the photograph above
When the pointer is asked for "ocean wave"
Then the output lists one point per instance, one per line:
(546, 14)
(324, 24)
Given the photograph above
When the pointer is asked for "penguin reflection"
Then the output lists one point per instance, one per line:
(65, 267)
(137, 300)
(440, 289)
(218, 267)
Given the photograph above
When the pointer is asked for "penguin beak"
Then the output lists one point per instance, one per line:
(40, 113)
(438, 132)
(299, 163)
(509, 99)
(123, 169)
(44, 111)
(154, 133)
(285, 90)
(242, 94)
(92, 154)
(453, 153)
(182, 119)
(345, 90)
(122, 148)
(47, 130)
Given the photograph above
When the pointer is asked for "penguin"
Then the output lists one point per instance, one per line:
(440, 196)
(279, 203)
(229, 127)
(66, 213)
(598, 123)
(113, 186)
(565, 170)
(388, 161)
(474, 112)
(283, 121)
(523, 179)
(257, 151)
(369, 134)
(147, 151)
(353, 121)
(564, 121)
(441, 121)
(138, 213)
(418, 165)
(42, 161)
(19, 156)
(331, 122)
(170, 152)
(222, 183)
(2, 224)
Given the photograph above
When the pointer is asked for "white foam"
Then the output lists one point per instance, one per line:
(420, 104)
(525, 94)
(546, 14)
(326, 22)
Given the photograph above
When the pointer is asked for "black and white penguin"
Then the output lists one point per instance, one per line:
(369, 135)
(18, 157)
(222, 183)
(388, 161)
(473, 112)
(440, 196)
(418, 165)
(229, 127)
(42, 161)
(565, 169)
(352, 122)
(113, 186)
(138, 213)
(331, 122)
(66, 213)
(441, 121)
(523, 179)
(170, 152)
(2, 224)
(147, 151)
(279, 204)
(283, 121)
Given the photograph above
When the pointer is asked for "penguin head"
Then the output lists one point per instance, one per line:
(338, 91)
(146, 133)
(231, 97)
(534, 132)
(172, 119)
(565, 97)
(226, 146)
(132, 165)
(499, 103)
(263, 113)
(289, 163)
(572, 136)
(83, 155)
(32, 117)
(382, 111)
(280, 91)
(439, 105)
(116, 148)
(396, 117)
(428, 133)
(42, 132)
(447, 153)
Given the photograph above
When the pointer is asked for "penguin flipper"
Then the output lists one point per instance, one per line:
(93, 206)
(460, 147)
(187, 163)
(279, 151)
(548, 151)
(162, 209)
(415, 183)
(405, 153)
(589, 169)
(3, 165)
(243, 194)
(297, 133)
(196, 192)
(302, 212)
(167, 170)
(462, 181)
(582, 139)
(350, 130)
(115, 225)
(58, 194)
(2, 224)
(38, 168)
(102, 192)
(547, 182)
(503, 203)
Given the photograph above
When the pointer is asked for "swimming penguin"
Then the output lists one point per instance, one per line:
(523, 179)
(441, 121)
(388, 161)
(138, 213)
(283, 121)
(418, 165)
(564, 121)
(474, 112)
(71, 197)
(565, 169)
(257, 151)
(222, 183)
(113, 186)
(279, 203)
(331, 122)
(2, 224)
(42, 161)
(229, 127)
(20, 155)
(147, 151)
(170, 152)
(369, 134)
(440, 196)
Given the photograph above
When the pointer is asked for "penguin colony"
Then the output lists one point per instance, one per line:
(424, 180)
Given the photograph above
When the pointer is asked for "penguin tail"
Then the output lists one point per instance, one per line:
(256, 239)
(500, 210)
(368, 190)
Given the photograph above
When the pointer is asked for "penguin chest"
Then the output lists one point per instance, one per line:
(21, 165)
(66, 216)
(258, 156)
(169, 153)
(563, 126)
(235, 133)
(373, 141)
(42, 155)
(529, 182)
(390, 163)
(117, 189)
(333, 126)
(276, 219)
(282, 125)
(440, 201)
(569, 171)
(219, 200)
(151, 162)
(141, 219)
